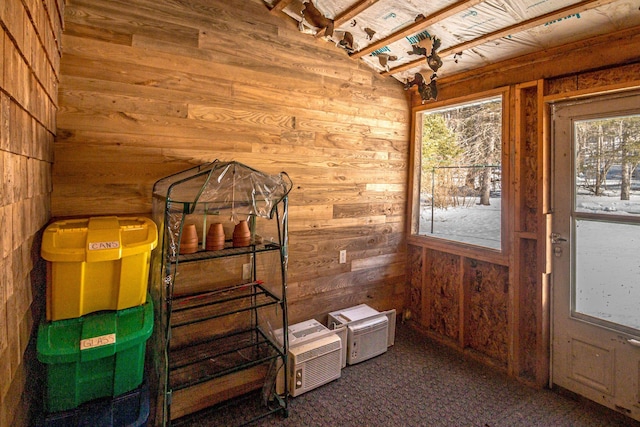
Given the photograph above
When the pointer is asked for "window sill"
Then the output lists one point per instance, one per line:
(462, 249)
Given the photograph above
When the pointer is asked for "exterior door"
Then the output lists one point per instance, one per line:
(596, 250)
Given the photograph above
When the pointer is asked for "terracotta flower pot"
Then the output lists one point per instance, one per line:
(215, 237)
(189, 239)
(241, 234)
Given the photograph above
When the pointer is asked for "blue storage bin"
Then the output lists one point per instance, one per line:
(127, 410)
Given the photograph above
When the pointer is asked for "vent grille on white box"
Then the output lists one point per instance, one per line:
(318, 351)
(315, 363)
(319, 370)
(370, 340)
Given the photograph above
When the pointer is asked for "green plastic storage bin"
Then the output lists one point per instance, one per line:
(97, 355)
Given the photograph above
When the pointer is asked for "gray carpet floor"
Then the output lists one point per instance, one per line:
(418, 382)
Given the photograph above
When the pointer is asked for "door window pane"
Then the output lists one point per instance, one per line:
(607, 283)
(607, 221)
(607, 154)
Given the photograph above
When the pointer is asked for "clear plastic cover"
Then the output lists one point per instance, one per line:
(216, 192)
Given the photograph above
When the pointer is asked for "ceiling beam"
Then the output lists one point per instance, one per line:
(619, 48)
(504, 32)
(417, 26)
(348, 14)
(280, 5)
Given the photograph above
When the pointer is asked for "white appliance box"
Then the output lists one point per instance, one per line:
(369, 332)
(315, 355)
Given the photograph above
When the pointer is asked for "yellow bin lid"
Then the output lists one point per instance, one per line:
(96, 239)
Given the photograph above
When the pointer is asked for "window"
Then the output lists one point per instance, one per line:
(459, 158)
(606, 208)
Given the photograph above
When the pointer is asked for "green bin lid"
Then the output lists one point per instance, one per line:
(95, 335)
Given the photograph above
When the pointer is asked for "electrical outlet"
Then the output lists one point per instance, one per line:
(343, 256)
(246, 271)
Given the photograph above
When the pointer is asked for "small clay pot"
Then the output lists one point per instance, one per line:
(189, 239)
(241, 234)
(215, 237)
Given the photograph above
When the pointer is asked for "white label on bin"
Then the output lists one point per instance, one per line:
(96, 246)
(88, 343)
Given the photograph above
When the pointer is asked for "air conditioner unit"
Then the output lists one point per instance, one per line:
(351, 314)
(367, 339)
(369, 332)
(314, 364)
(315, 354)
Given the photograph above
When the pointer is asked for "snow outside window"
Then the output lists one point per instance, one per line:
(460, 183)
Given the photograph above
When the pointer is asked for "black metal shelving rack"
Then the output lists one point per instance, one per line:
(207, 358)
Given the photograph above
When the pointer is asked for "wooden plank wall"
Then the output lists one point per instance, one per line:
(152, 87)
(496, 307)
(30, 51)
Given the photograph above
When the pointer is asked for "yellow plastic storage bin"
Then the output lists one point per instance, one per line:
(98, 263)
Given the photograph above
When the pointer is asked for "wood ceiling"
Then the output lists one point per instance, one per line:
(463, 34)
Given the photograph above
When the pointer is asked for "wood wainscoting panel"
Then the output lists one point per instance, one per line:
(529, 311)
(443, 287)
(486, 327)
(414, 303)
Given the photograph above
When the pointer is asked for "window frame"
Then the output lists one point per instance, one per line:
(463, 248)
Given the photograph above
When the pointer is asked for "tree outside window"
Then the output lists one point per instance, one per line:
(460, 172)
(607, 156)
